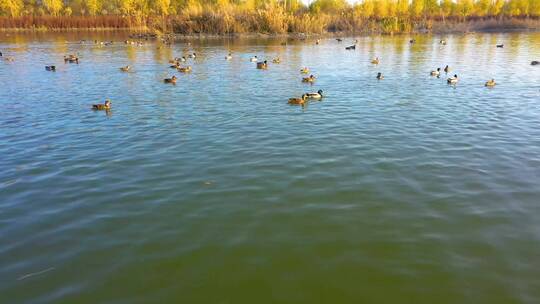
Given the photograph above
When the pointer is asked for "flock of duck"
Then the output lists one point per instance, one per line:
(178, 64)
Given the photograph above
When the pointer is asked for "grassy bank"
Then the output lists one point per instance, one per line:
(265, 23)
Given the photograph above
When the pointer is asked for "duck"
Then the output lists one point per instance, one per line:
(442, 41)
(170, 80)
(102, 106)
(51, 68)
(412, 41)
(305, 70)
(228, 57)
(310, 79)
(534, 62)
(298, 101)
(375, 61)
(276, 60)
(262, 65)
(125, 68)
(317, 95)
(490, 83)
(500, 45)
(318, 41)
(9, 58)
(452, 80)
(339, 40)
(446, 69)
(182, 59)
(184, 69)
(176, 65)
(254, 59)
(380, 76)
(1, 54)
(352, 47)
(71, 59)
(436, 72)
(193, 55)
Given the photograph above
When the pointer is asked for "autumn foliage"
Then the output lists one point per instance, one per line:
(268, 16)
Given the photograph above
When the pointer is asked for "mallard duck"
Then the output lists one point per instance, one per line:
(490, 83)
(182, 59)
(51, 68)
(446, 69)
(339, 40)
(318, 41)
(304, 70)
(193, 55)
(534, 62)
(500, 45)
(298, 101)
(452, 80)
(443, 42)
(9, 58)
(352, 47)
(380, 76)
(436, 73)
(176, 65)
(228, 57)
(375, 61)
(102, 106)
(412, 41)
(262, 65)
(276, 60)
(170, 80)
(310, 79)
(71, 59)
(254, 59)
(184, 69)
(1, 54)
(317, 95)
(125, 68)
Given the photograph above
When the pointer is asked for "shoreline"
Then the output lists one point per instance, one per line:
(369, 27)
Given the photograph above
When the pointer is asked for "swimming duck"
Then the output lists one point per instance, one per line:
(436, 73)
(176, 65)
(228, 57)
(276, 60)
(339, 40)
(490, 83)
(71, 59)
(184, 69)
(318, 41)
(298, 101)
(9, 58)
(412, 41)
(534, 62)
(352, 47)
(125, 68)
(1, 54)
(452, 80)
(254, 59)
(310, 79)
(102, 106)
(375, 61)
(262, 65)
(317, 95)
(170, 80)
(446, 69)
(380, 76)
(500, 45)
(193, 55)
(51, 68)
(304, 70)
(443, 42)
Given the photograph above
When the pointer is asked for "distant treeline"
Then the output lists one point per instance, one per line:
(265, 16)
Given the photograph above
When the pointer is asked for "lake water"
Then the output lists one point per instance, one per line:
(215, 190)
